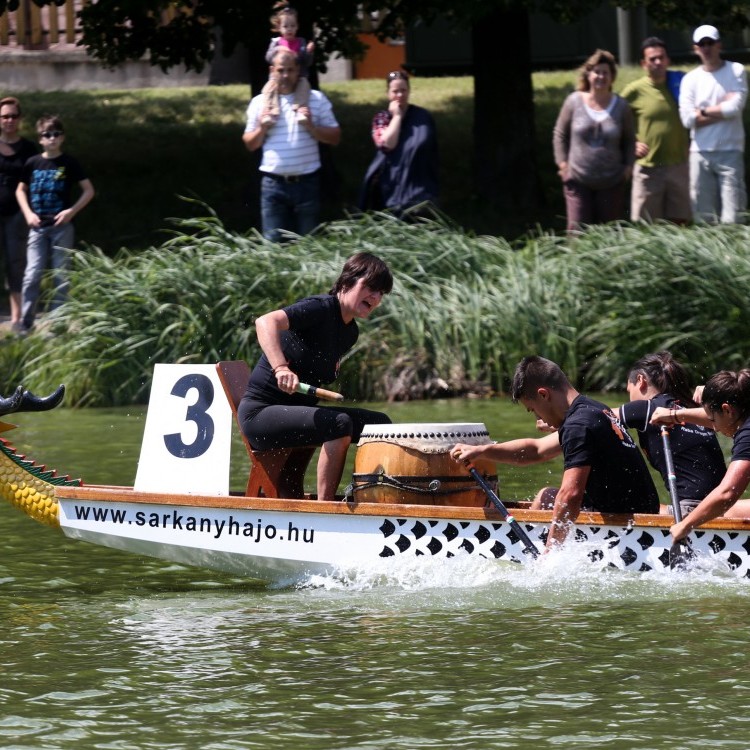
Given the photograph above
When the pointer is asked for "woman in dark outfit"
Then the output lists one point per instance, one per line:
(726, 407)
(404, 172)
(658, 380)
(14, 152)
(304, 342)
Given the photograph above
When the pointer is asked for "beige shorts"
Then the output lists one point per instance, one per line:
(661, 193)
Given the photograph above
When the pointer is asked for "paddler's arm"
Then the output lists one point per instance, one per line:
(567, 505)
(670, 417)
(718, 501)
(521, 452)
(269, 328)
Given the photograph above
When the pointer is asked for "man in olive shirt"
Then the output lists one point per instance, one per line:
(661, 177)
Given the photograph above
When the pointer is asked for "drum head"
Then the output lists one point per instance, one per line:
(430, 437)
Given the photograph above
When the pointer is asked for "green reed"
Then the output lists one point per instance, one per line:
(464, 308)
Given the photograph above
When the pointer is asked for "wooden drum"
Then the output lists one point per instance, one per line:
(410, 463)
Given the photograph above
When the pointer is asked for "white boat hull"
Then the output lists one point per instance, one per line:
(279, 541)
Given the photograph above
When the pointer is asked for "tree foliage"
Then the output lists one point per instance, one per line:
(189, 33)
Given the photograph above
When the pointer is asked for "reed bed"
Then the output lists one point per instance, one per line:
(464, 308)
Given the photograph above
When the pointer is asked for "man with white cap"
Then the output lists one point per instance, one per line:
(712, 99)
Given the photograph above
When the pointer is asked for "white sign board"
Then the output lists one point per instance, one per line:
(188, 434)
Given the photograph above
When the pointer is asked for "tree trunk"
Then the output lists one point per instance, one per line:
(505, 165)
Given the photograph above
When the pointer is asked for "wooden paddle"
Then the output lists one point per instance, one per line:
(312, 390)
(495, 500)
(681, 552)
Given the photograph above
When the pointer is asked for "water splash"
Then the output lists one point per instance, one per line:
(565, 577)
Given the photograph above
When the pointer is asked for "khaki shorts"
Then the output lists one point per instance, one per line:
(661, 193)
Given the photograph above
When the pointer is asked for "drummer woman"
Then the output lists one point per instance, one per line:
(726, 407)
(304, 342)
(658, 380)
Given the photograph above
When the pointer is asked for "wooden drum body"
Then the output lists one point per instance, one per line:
(410, 463)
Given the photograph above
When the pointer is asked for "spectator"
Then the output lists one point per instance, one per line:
(45, 196)
(594, 145)
(712, 99)
(290, 165)
(14, 152)
(404, 172)
(661, 176)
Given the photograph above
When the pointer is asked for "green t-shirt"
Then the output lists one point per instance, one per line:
(658, 124)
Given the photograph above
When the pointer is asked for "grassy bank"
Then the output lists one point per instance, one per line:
(144, 148)
(464, 310)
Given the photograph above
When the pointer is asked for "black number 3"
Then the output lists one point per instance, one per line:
(197, 413)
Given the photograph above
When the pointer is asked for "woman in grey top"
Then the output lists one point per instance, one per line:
(594, 145)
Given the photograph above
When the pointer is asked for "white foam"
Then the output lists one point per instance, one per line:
(565, 576)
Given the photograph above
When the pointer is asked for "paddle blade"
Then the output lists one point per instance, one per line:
(680, 554)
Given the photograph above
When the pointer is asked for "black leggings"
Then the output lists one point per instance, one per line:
(275, 426)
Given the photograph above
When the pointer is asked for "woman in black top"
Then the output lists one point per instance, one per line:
(725, 405)
(14, 152)
(404, 171)
(658, 380)
(304, 342)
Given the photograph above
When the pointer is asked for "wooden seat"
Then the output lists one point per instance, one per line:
(274, 473)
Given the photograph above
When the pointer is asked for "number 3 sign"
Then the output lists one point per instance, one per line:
(188, 434)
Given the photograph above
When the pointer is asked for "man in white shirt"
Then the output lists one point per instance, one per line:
(712, 99)
(290, 165)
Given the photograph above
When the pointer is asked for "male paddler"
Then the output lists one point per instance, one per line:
(603, 468)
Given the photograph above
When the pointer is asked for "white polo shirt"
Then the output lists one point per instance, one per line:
(288, 148)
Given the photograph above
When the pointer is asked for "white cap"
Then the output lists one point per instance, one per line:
(705, 32)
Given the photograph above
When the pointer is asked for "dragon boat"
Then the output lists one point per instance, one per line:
(406, 500)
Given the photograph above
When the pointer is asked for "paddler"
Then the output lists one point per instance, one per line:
(725, 406)
(603, 469)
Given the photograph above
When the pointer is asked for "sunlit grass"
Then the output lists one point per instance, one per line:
(464, 308)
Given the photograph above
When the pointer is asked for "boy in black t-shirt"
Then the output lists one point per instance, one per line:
(603, 468)
(45, 197)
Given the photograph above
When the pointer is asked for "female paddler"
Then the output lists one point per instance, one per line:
(725, 407)
(304, 343)
(658, 380)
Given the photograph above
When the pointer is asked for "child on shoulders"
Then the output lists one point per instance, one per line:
(285, 22)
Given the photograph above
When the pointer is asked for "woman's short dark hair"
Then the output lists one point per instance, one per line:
(10, 101)
(365, 266)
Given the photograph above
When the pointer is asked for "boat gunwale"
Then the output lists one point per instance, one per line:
(123, 494)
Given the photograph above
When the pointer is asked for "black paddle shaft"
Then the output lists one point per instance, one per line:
(681, 551)
(671, 476)
(498, 503)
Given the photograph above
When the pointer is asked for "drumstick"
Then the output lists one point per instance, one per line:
(312, 390)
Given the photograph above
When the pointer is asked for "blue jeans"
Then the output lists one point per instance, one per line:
(46, 246)
(293, 206)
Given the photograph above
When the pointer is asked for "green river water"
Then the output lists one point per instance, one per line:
(100, 649)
